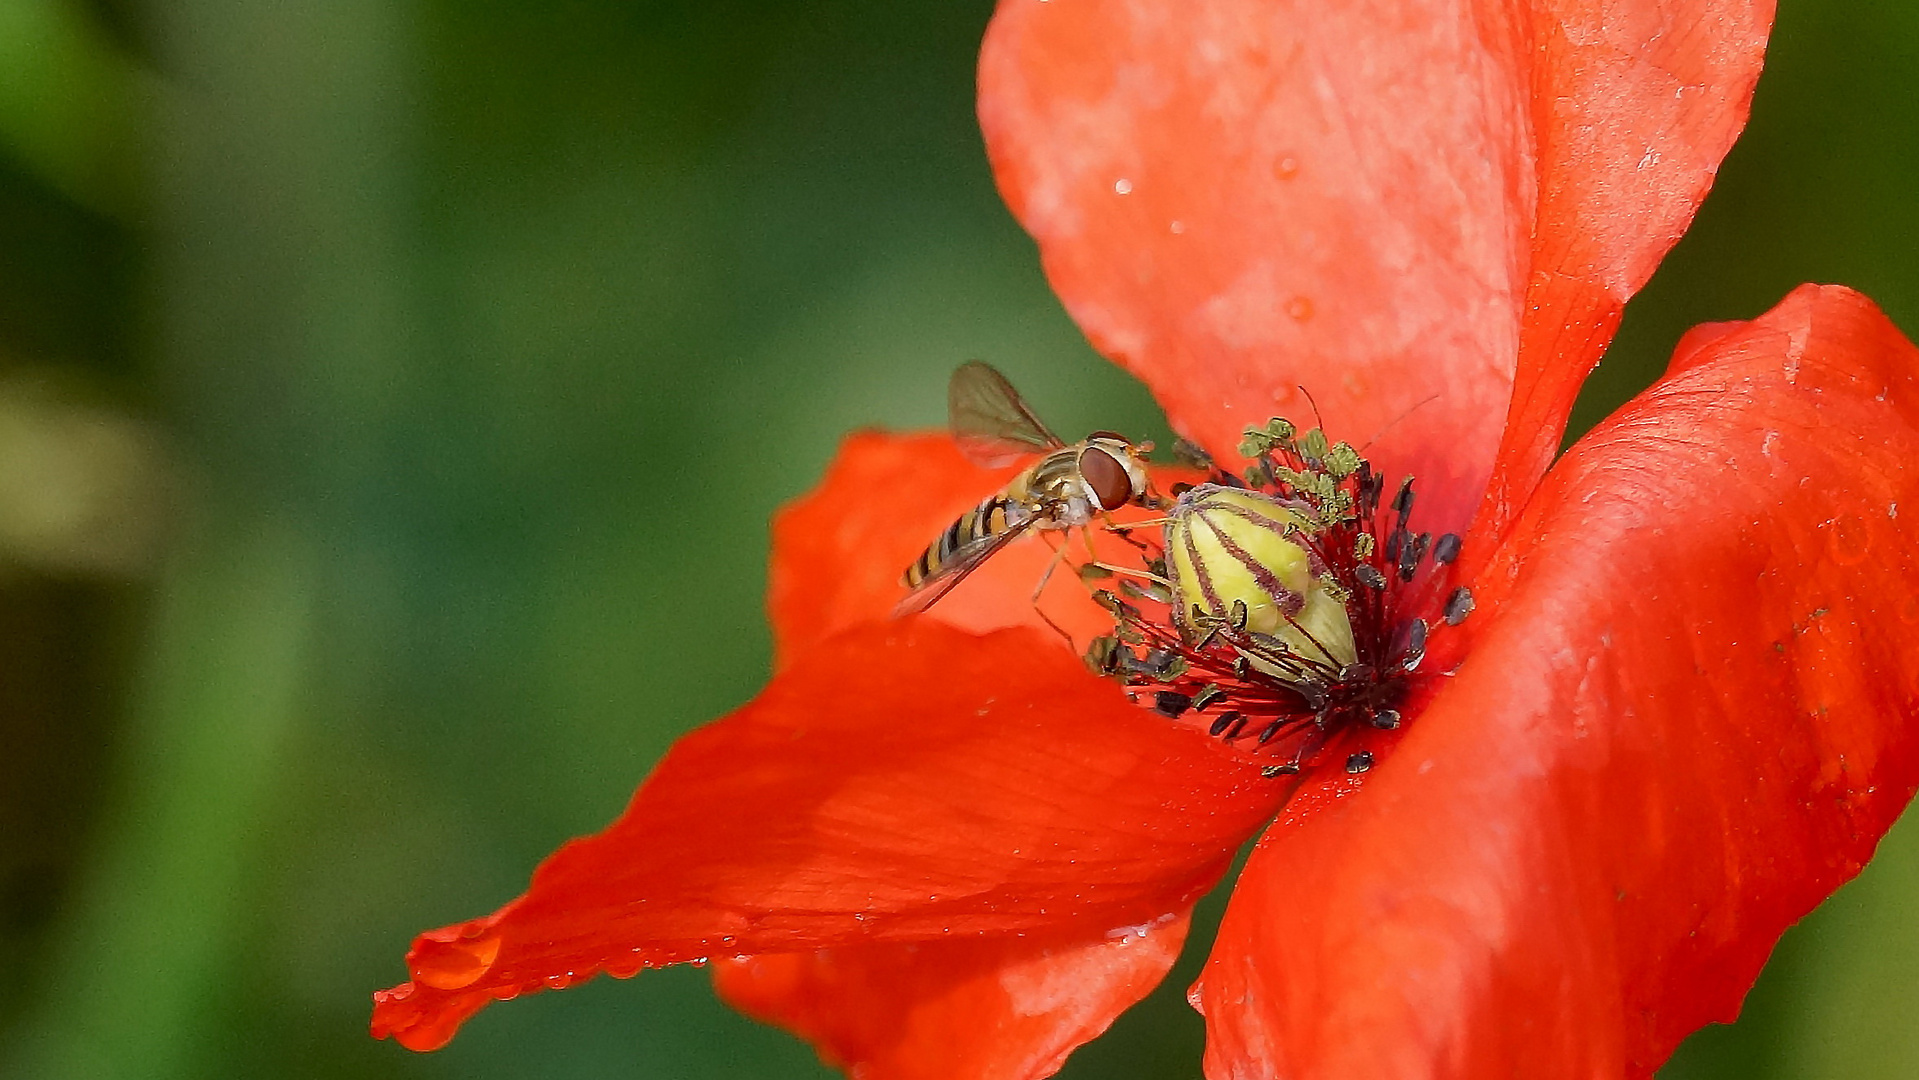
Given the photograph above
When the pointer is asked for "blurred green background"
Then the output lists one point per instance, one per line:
(392, 400)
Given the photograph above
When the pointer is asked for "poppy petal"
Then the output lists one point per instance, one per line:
(1688, 716)
(838, 550)
(980, 1009)
(1396, 207)
(905, 781)
(1637, 105)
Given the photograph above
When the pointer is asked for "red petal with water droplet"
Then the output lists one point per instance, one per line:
(983, 1009)
(1396, 206)
(902, 782)
(1688, 716)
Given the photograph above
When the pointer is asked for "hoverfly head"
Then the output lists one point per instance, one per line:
(1114, 469)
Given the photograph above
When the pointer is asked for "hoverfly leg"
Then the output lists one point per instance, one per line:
(1127, 571)
(1059, 556)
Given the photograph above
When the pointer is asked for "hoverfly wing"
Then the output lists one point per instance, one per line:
(956, 568)
(992, 423)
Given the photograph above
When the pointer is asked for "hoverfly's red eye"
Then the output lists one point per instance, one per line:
(1106, 476)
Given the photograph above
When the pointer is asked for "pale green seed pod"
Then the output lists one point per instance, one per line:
(1226, 547)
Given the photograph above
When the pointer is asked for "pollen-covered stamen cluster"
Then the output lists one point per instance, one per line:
(1287, 604)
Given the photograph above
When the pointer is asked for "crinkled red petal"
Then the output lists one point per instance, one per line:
(1006, 1008)
(1393, 206)
(904, 782)
(1688, 716)
(1635, 105)
(839, 550)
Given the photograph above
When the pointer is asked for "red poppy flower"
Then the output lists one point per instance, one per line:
(1680, 716)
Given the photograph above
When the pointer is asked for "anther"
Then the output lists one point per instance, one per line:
(1386, 719)
(1459, 605)
(1212, 694)
(1171, 703)
(1410, 550)
(1368, 575)
(1360, 762)
(1415, 650)
(1272, 729)
(1220, 724)
(1238, 725)
(1371, 484)
(1272, 771)
(1190, 453)
(1447, 549)
(1239, 616)
(1166, 666)
(1102, 655)
(1403, 502)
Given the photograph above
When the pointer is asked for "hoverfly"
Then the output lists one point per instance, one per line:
(1065, 489)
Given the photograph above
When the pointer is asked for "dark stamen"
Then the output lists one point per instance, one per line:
(1371, 484)
(1360, 762)
(1224, 721)
(1102, 655)
(1410, 550)
(1171, 703)
(1459, 605)
(1368, 575)
(1403, 502)
(1190, 453)
(1157, 663)
(1415, 649)
(1386, 719)
(1447, 549)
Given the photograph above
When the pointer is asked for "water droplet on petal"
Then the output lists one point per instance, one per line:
(1122, 186)
(1286, 167)
(1300, 308)
(451, 965)
(1849, 540)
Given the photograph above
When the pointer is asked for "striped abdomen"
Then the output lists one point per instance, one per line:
(965, 535)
